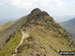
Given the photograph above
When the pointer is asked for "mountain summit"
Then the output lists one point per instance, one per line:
(36, 34)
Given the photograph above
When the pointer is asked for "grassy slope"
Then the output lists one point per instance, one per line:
(2, 27)
(9, 30)
(14, 41)
(11, 45)
(51, 40)
(51, 44)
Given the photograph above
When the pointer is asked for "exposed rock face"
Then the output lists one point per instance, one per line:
(36, 11)
(41, 36)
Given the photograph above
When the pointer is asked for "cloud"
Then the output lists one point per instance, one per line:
(26, 4)
(53, 7)
(59, 2)
(1, 4)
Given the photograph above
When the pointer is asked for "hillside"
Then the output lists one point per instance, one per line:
(9, 23)
(69, 26)
(36, 34)
(9, 31)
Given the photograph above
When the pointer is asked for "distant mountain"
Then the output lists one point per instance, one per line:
(6, 25)
(3, 21)
(64, 18)
(69, 26)
(36, 34)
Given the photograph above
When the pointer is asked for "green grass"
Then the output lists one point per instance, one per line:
(50, 40)
(11, 45)
(51, 44)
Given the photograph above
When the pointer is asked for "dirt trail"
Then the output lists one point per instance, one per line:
(38, 49)
(25, 35)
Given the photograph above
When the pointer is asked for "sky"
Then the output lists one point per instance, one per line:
(14, 9)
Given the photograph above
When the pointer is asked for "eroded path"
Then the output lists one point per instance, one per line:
(37, 50)
(25, 35)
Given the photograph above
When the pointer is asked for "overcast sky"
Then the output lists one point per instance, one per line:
(16, 8)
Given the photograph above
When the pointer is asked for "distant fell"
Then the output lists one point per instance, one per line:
(69, 26)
